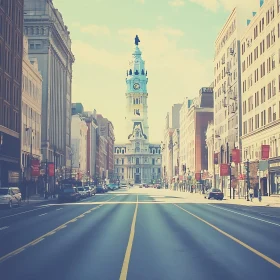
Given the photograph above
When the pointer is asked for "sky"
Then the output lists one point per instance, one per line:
(177, 42)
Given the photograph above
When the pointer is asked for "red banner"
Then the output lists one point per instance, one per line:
(224, 169)
(235, 155)
(265, 151)
(35, 167)
(51, 169)
(216, 158)
(197, 176)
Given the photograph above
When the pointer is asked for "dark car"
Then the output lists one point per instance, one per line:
(68, 194)
(214, 193)
(100, 189)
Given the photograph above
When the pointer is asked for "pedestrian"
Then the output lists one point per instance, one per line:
(251, 193)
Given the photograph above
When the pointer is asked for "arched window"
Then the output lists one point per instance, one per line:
(137, 150)
(122, 151)
(118, 150)
(154, 151)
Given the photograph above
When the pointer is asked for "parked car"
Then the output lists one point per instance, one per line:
(82, 192)
(69, 194)
(112, 187)
(100, 189)
(214, 193)
(10, 196)
(90, 190)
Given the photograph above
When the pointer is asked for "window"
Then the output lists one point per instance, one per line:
(244, 107)
(250, 104)
(137, 161)
(263, 118)
(269, 117)
(269, 93)
(263, 95)
(245, 127)
(274, 112)
(273, 87)
(257, 99)
(273, 62)
(257, 121)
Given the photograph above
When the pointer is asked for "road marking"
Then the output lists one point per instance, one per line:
(2, 228)
(126, 260)
(59, 209)
(39, 239)
(268, 259)
(254, 218)
(43, 214)
(5, 217)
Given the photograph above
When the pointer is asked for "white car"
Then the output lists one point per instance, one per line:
(10, 196)
(82, 192)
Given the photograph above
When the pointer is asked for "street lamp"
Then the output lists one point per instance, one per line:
(247, 167)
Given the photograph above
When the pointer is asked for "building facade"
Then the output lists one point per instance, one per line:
(260, 94)
(49, 42)
(227, 92)
(79, 148)
(199, 115)
(107, 130)
(31, 112)
(90, 119)
(137, 160)
(11, 51)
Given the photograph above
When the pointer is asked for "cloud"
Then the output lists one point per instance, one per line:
(95, 30)
(177, 3)
(213, 5)
(209, 4)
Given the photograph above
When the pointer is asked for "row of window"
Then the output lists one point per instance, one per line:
(137, 170)
(137, 161)
(31, 88)
(261, 119)
(258, 98)
(260, 26)
(10, 118)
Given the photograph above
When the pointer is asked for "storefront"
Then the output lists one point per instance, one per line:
(9, 160)
(274, 175)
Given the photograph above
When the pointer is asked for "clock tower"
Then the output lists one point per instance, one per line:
(136, 97)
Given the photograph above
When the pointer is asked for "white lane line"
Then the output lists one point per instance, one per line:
(2, 228)
(43, 214)
(5, 217)
(59, 209)
(254, 218)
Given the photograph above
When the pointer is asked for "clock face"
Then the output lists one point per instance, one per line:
(136, 86)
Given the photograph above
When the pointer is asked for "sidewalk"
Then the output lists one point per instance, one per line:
(37, 199)
(269, 201)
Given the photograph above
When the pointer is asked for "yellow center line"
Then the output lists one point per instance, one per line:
(268, 259)
(126, 260)
(37, 240)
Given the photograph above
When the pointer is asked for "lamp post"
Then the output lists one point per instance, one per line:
(30, 130)
(248, 177)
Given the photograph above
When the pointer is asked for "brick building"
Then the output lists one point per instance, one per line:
(11, 51)
(199, 115)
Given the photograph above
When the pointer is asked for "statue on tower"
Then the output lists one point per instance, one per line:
(137, 41)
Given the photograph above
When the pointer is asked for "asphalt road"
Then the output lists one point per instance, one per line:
(139, 234)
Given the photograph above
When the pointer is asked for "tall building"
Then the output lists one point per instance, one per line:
(90, 119)
(260, 95)
(137, 160)
(106, 129)
(184, 133)
(79, 148)
(227, 91)
(199, 115)
(49, 42)
(11, 50)
(170, 145)
(31, 112)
